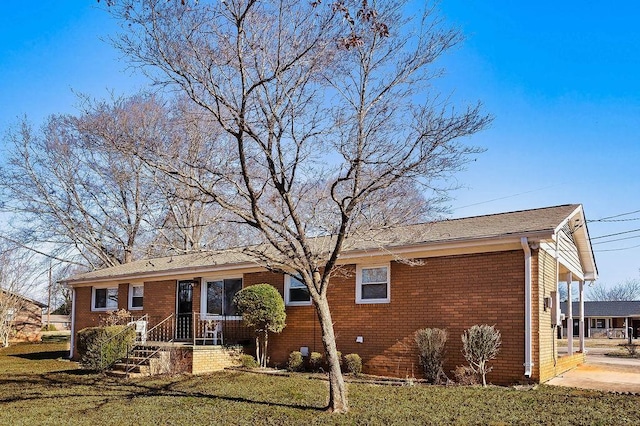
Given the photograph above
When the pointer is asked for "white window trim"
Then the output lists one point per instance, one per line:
(204, 315)
(93, 298)
(130, 302)
(287, 302)
(359, 299)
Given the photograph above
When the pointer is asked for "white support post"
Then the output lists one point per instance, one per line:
(581, 293)
(569, 314)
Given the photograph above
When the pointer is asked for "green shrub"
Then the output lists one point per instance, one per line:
(296, 361)
(101, 347)
(431, 343)
(49, 327)
(248, 361)
(354, 364)
(262, 309)
(315, 360)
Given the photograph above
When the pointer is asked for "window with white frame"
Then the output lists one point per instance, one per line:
(136, 296)
(373, 284)
(296, 292)
(104, 299)
(217, 296)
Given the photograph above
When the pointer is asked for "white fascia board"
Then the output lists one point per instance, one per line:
(583, 244)
(423, 249)
(578, 210)
(171, 274)
(436, 247)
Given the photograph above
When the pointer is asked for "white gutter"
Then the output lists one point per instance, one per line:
(528, 363)
(72, 342)
(420, 249)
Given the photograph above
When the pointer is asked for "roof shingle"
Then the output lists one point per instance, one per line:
(464, 229)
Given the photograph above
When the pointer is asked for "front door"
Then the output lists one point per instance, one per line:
(184, 320)
(576, 327)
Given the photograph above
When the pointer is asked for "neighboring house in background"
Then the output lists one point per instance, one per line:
(25, 315)
(609, 319)
(60, 322)
(501, 269)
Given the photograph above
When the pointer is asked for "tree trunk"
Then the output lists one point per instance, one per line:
(258, 350)
(264, 348)
(338, 402)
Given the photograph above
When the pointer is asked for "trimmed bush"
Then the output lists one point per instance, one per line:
(431, 343)
(101, 347)
(464, 375)
(248, 361)
(49, 327)
(354, 364)
(480, 344)
(295, 362)
(262, 308)
(120, 317)
(315, 360)
(632, 349)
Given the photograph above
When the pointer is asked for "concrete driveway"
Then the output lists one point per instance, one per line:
(602, 372)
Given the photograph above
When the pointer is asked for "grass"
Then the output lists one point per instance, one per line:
(37, 387)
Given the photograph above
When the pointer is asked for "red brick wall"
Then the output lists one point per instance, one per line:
(27, 322)
(453, 292)
(276, 280)
(160, 299)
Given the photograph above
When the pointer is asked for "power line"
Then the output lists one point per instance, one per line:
(618, 249)
(617, 233)
(615, 220)
(617, 239)
(614, 216)
(505, 197)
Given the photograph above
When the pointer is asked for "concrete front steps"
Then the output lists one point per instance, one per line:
(143, 361)
(176, 358)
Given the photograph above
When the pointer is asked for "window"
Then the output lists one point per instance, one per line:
(600, 323)
(295, 292)
(217, 296)
(136, 296)
(104, 299)
(372, 284)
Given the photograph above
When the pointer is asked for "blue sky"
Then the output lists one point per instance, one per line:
(561, 78)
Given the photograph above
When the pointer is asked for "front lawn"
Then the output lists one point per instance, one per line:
(38, 388)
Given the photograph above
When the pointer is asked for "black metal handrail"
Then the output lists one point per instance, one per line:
(130, 326)
(157, 330)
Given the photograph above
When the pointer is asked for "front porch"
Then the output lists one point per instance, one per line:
(186, 343)
(194, 329)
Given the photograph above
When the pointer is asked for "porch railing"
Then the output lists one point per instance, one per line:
(198, 328)
(195, 328)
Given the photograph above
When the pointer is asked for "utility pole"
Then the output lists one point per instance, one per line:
(49, 298)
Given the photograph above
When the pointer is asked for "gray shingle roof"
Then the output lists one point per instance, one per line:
(542, 220)
(605, 309)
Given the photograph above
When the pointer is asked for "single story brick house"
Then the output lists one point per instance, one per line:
(501, 269)
(607, 319)
(25, 315)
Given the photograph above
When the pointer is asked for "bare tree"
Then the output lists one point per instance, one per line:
(189, 220)
(321, 136)
(14, 283)
(624, 291)
(72, 196)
